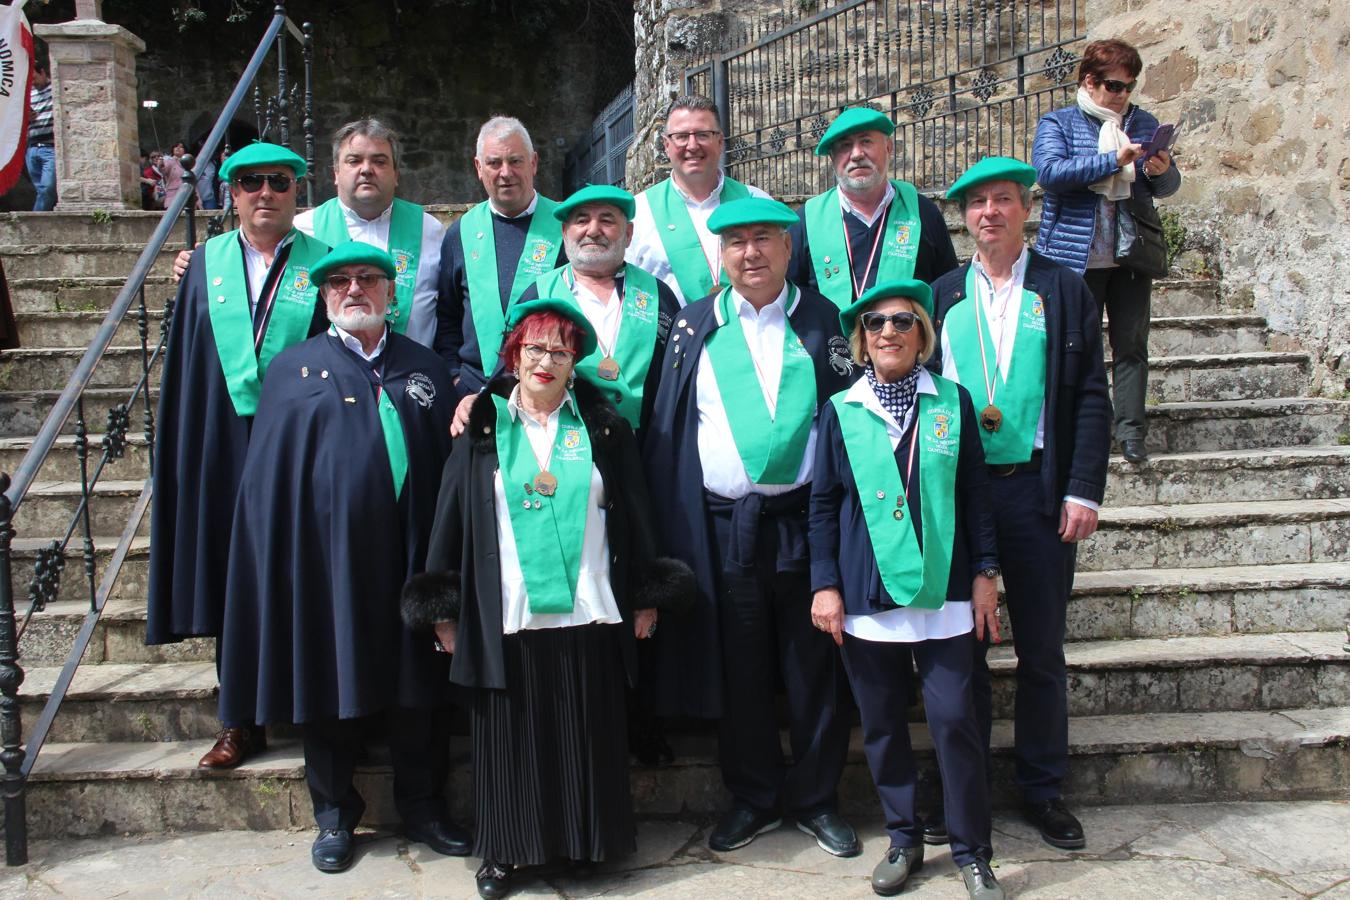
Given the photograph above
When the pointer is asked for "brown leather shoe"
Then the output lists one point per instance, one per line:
(233, 746)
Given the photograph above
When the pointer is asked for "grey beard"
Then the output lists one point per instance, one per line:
(857, 185)
(592, 258)
(356, 321)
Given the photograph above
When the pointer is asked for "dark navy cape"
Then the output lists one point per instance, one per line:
(688, 645)
(321, 547)
(199, 454)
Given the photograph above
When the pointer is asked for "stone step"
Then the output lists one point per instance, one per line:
(63, 464)
(65, 260)
(47, 510)
(1246, 424)
(77, 329)
(82, 294)
(50, 369)
(141, 787)
(1275, 473)
(121, 227)
(1185, 297)
(23, 412)
(1216, 534)
(1235, 376)
(1219, 600)
(47, 638)
(1202, 335)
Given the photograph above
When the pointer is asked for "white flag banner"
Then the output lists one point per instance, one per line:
(16, 76)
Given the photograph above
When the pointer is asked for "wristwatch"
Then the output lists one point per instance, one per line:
(989, 572)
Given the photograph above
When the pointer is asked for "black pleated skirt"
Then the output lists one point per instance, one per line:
(550, 753)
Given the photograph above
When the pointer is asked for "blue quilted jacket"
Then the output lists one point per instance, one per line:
(1066, 159)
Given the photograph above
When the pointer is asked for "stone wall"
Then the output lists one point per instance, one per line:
(1260, 91)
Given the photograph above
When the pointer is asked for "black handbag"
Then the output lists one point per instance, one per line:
(1139, 237)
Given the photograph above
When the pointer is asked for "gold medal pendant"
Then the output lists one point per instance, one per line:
(608, 369)
(991, 418)
(899, 514)
(545, 484)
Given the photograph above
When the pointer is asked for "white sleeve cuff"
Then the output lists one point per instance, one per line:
(1095, 507)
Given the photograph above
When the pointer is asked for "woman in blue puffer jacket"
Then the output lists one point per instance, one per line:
(1088, 157)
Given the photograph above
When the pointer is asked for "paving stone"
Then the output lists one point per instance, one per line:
(1245, 376)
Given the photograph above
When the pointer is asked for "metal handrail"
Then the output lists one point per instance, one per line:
(16, 756)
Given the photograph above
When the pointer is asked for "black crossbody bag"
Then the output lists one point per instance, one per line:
(1139, 237)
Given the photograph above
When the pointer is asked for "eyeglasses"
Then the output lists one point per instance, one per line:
(367, 280)
(901, 321)
(1116, 87)
(559, 357)
(682, 137)
(253, 182)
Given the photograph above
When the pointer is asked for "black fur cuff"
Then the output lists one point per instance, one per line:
(667, 585)
(429, 598)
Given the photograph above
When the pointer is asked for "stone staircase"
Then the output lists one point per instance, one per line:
(1206, 628)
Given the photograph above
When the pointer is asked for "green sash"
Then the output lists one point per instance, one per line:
(394, 441)
(912, 577)
(770, 446)
(549, 531)
(405, 246)
(232, 321)
(1022, 396)
(486, 304)
(829, 242)
(680, 238)
(634, 344)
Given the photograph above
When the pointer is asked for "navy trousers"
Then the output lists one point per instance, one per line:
(766, 633)
(419, 749)
(880, 675)
(1037, 578)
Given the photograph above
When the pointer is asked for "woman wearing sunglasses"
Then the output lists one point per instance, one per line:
(1089, 158)
(903, 562)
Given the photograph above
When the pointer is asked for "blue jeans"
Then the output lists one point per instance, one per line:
(41, 163)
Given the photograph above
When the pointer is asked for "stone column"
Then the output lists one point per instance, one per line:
(94, 93)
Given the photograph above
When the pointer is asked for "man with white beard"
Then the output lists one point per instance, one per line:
(869, 228)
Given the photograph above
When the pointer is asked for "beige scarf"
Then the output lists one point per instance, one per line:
(1110, 139)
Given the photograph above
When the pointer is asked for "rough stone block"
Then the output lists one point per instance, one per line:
(1098, 617)
(1218, 688)
(1163, 614)
(1086, 694)
(211, 803)
(1330, 539)
(1306, 609)
(88, 808)
(1286, 687)
(1140, 692)
(1159, 777)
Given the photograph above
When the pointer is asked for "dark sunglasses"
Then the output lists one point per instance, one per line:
(253, 182)
(1116, 87)
(901, 321)
(367, 280)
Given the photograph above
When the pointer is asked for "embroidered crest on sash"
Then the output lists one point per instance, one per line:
(302, 280)
(421, 389)
(401, 259)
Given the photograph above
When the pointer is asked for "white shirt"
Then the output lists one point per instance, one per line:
(877, 213)
(723, 471)
(905, 624)
(257, 267)
(646, 250)
(353, 343)
(605, 315)
(422, 324)
(594, 600)
(527, 211)
(1002, 310)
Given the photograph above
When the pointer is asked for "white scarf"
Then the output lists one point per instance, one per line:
(1110, 139)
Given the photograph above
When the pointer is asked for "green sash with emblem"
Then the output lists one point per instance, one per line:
(771, 444)
(680, 239)
(488, 307)
(549, 528)
(633, 344)
(1020, 398)
(912, 577)
(828, 239)
(405, 246)
(232, 320)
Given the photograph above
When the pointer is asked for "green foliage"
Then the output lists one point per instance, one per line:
(1174, 233)
(1343, 439)
(102, 217)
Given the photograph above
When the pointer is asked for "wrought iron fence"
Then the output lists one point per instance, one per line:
(601, 156)
(962, 79)
(95, 454)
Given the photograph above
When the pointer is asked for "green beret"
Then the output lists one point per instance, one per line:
(352, 253)
(851, 121)
(750, 211)
(909, 288)
(261, 153)
(565, 308)
(596, 193)
(993, 168)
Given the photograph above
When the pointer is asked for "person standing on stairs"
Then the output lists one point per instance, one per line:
(245, 298)
(1021, 333)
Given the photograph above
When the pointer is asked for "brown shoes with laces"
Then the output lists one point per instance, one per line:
(233, 746)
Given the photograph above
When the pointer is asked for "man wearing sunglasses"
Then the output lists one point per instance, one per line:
(869, 227)
(671, 239)
(1020, 332)
(245, 297)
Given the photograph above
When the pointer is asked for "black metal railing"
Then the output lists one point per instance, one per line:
(962, 79)
(601, 157)
(16, 755)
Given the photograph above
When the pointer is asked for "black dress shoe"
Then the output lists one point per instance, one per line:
(935, 830)
(741, 826)
(1058, 827)
(445, 838)
(1133, 449)
(494, 879)
(332, 850)
(835, 836)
